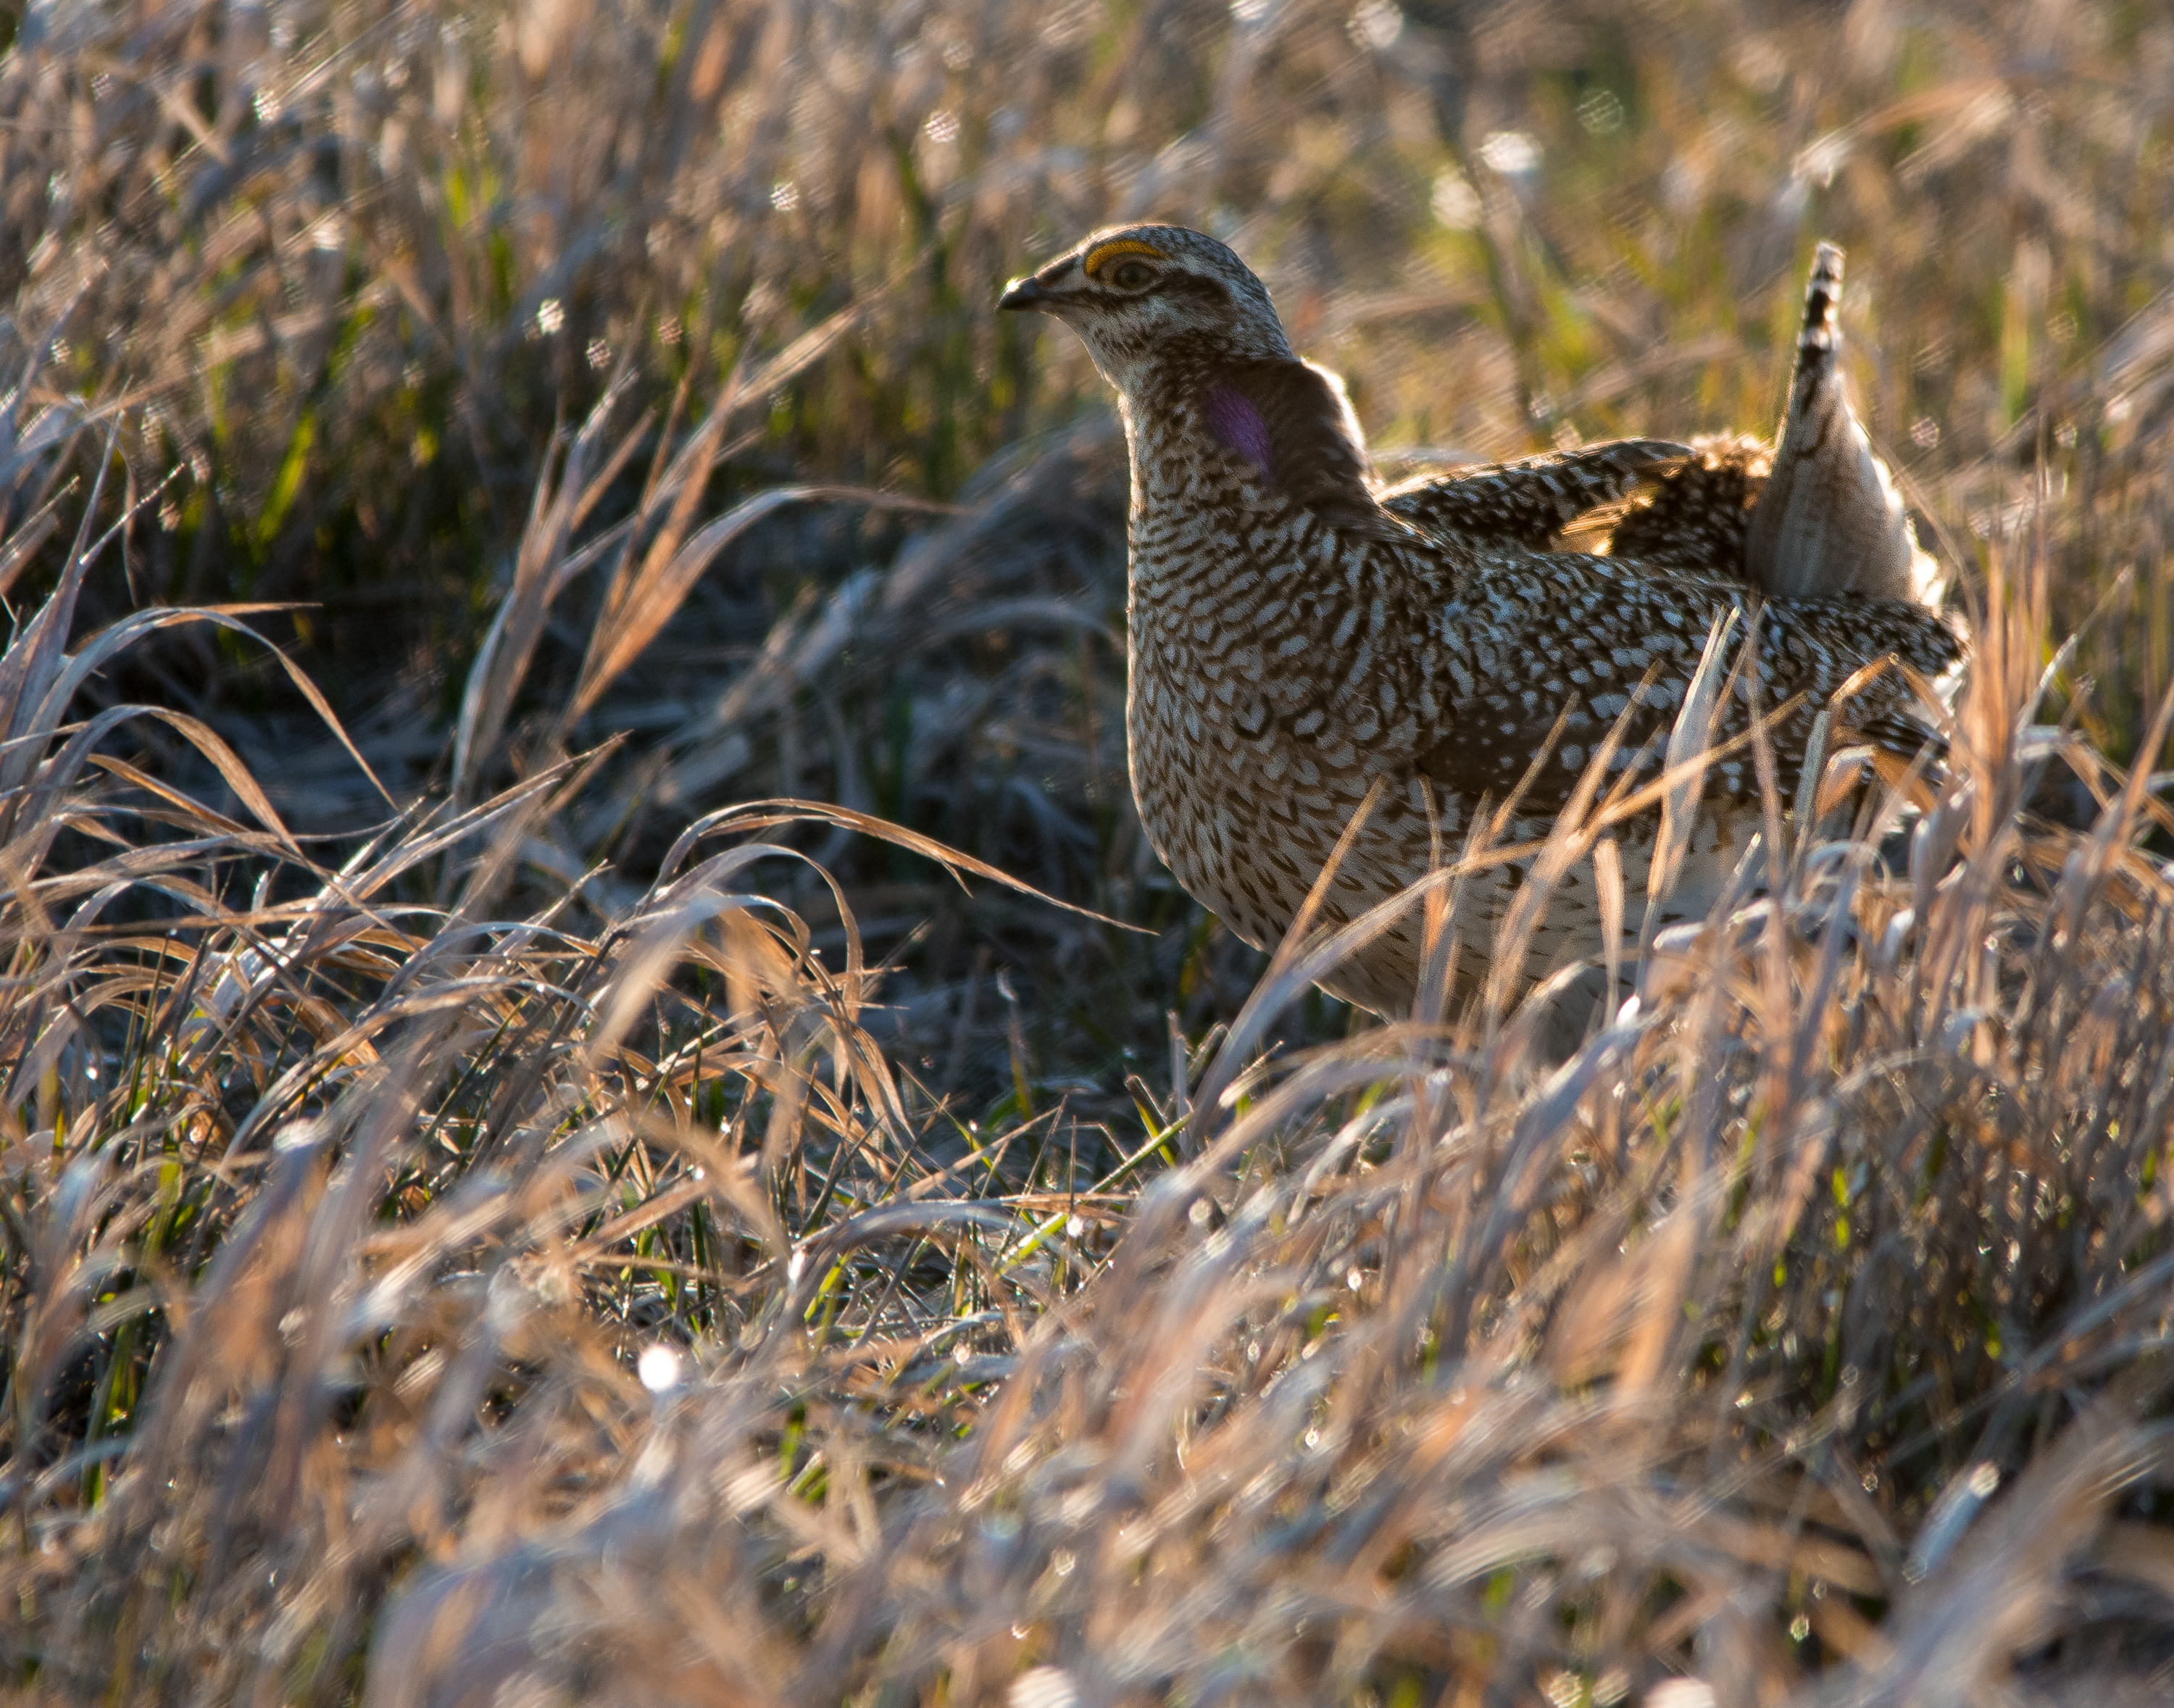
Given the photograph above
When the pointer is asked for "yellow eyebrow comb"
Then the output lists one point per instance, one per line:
(1102, 253)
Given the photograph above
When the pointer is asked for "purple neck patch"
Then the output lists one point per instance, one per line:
(1233, 419)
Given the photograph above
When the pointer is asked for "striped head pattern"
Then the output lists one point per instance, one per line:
(1137, 294)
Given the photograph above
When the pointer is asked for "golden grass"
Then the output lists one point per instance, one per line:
(1805, 1333)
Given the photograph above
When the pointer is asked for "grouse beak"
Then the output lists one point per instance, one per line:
(1027, 293)
(1046, 290)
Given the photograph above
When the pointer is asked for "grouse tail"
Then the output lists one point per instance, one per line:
(1829, 523)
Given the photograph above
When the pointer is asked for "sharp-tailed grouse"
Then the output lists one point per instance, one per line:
(1299, 634)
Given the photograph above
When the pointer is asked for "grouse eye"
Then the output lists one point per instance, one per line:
(1131, 275)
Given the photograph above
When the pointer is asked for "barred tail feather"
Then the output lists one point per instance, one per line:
(1829, 523)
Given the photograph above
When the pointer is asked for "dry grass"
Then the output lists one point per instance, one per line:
(1052, 1320)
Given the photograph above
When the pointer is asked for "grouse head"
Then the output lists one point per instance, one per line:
(1186, 334)
(1140, 294)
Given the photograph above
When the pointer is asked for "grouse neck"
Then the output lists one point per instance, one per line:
(1274, 433)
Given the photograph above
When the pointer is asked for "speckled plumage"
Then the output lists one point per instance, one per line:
(1296, 637)
(1530, 502)
(1699, 518)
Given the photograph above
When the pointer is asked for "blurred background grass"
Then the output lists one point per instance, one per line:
(609, 400)
(349, 264)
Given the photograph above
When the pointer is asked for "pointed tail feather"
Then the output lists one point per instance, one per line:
(1829, 523)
